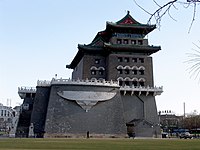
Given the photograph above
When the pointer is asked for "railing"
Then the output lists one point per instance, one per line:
(26, 90)
(77, 82)
(43, 83)
(140, 89)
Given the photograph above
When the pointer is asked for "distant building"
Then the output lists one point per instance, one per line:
(169, 121)
(8, 120)
(111, 93)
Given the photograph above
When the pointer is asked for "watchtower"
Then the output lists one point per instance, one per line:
(122, 53)
(111, 93)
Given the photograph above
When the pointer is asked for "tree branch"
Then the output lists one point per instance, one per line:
(163, 9)
(158, 11)
(193, 18)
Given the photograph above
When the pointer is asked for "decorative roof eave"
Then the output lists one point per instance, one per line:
(97, 42)
(139, 28)
(128, 19)
(129, 24)
(143, 26)
(76, 60)
(90, 47)
(102, 34)
(133, 48)
(82, 50)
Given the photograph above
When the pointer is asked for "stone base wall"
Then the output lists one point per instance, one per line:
(40, 106)
(141, 113)
(66, 117)
(60, 117)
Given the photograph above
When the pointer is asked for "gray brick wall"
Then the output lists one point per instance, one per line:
(65, 117)
(38, 116)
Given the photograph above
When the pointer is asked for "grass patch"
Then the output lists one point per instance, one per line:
(99, 144)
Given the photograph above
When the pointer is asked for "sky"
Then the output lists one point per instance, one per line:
(38, 38)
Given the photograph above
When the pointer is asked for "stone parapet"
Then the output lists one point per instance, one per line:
(77, 82)
(45, 83)
(22, 91)
(26, 90)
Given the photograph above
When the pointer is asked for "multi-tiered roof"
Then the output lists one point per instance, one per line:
(101, 43)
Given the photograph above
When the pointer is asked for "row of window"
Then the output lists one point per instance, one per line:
(127, 71)
(127, 35)
(128, 59)
(131, 83)
(120, 71)
(129, 41)
(97, 72)
(125, 59)
(120, 67)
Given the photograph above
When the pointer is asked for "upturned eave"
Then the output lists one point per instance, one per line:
(132, 48)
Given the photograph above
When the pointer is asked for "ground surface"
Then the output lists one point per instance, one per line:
(99, 144)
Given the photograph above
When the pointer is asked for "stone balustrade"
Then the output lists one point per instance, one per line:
(131, 89)
(43, 83)
(26, 90)
(147, 90)
(77, 82)
(22, 91)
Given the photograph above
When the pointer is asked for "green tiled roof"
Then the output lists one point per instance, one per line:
(129, 24)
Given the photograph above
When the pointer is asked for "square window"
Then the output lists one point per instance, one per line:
(126, 71)
(126, 59)
(100, 72)
(141, 60)
(135, 72)
(119, 41)
(119, 71)
(133, 42)
(125, 41)
(120, 59)
(97, 61)
(134, 60)
(141, 72)
(93, 72)
(140, 42)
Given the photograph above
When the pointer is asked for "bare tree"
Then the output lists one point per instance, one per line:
(194, 62)
(165, 8)
(192, 121)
